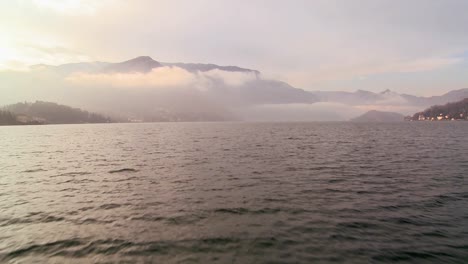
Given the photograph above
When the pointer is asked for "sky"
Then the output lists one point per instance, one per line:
(418, 47)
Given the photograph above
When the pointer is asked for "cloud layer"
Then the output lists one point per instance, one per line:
(299, 112)
(163, 77)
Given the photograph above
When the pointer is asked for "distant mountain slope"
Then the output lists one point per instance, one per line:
(352, 98)
(52, 113)
(69, 68)
(138, 64)
(455, 110)
(379, 116)
(388, 97)
(196, 92)
(451, 96)
(258, 90)
(212, 94)
(194, 67)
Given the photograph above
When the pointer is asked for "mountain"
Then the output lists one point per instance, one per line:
(146, 89)
(352, 98)
(451, 111)
(207, 92)
(379, 116)
(141, 64)
(200, 67)
(361, 97)
(255, 91)
(69, 68)
(51, 113)
(451, 96)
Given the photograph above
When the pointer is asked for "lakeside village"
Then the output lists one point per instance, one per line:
(442, 117)
(455, 111)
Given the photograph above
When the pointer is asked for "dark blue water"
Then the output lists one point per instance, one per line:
(235, 193)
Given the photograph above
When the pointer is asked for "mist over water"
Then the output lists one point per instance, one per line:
(235, 193)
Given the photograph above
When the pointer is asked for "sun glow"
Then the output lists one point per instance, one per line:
(9, 56)
(69, 7)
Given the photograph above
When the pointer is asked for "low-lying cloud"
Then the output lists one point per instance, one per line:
(157, 77)
(163, 77)
(323, 111)
(229, 78)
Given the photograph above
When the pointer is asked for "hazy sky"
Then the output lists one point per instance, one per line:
(417, 46)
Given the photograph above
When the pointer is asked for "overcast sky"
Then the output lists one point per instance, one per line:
(417, 46)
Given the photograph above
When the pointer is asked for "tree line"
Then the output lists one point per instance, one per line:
(7, 118)
(456, 111)
(41, 112)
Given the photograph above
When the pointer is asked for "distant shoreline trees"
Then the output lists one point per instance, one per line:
(7, 118)
(41, 112)
(451, 111)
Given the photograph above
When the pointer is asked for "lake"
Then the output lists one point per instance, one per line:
(235, 193)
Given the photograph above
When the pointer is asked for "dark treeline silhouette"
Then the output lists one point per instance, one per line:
(51, 113)
(451, 111)
(7, 118)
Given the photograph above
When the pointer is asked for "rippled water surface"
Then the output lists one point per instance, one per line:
(235, 193)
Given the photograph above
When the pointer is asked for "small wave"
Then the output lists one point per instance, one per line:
(242, 211)
(357, 225)
(86, 208)
(343, 237)
(77, 248)
(51, 247)
(335, 180)
(92, 221)
(122, 180)
(410, 256)
(435, 233)
(336, 190)
(174, 220)
(78, 181)
(148, 218)
(36, 217)
(185, 219)
(440, 201)
(405, 221)
(109, 206)
(394, 207)
(33, 170)
(123, 170)
(69, 190)
(74, 173)
(232, 210)
(291, 169)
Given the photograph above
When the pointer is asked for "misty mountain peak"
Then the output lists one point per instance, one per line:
(138, 64)
(359, 91)
(386, 91)
(142, 59)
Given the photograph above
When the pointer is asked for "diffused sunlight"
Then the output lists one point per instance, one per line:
(233, 131)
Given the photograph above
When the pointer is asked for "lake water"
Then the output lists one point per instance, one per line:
(235, 193)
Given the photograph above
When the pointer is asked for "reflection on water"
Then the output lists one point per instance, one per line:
(235, 192)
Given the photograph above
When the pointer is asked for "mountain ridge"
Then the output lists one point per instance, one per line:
(146, 63)
(138, 64)
(202, 92)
